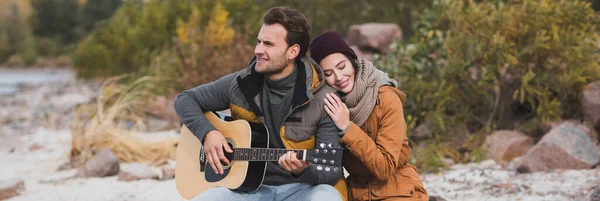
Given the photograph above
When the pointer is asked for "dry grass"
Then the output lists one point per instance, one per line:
(112, 121)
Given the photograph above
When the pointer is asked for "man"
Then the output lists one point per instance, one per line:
(283, 89)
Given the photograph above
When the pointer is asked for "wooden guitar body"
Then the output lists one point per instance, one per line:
(249, 142)
(243, 175)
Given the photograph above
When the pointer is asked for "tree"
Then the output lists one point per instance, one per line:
(56, 19)
(97, 10)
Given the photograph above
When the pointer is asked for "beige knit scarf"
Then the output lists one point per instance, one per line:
(363, 97)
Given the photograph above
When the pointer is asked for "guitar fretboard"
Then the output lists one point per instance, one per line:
(262, 154)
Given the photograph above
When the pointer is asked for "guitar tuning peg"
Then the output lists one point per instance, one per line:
(329, 145)
(319, 167)
(322, 145)
(332, 162)
(335, 169)
(333, 151)
(327, 169)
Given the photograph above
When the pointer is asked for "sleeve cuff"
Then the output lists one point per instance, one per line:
(202, 132)
(341, 133)
(349, 133)
(304, 176)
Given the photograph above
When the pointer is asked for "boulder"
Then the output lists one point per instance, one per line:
(103, 164)
(505, 145)
(136, 171)
(421, 132)
(11, 188)
(167, 173)
(549, 125)
(162, 111)
(459, 136)
(590, 101)
(436, 198)
(594, 194)
(362, 54)
(567, 146)
(162, 107)
(374, 37)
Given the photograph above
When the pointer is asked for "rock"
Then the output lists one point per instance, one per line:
(594, 194)
(505, 188)
(154, 124)
(136, 171)
(459, 136)
(11, 188)
(448, 161)
(362, 54)
(565, 147)
(162, 107)
(35, 147)
(549, 125)
(590, 101)
(505, 145)
(168, 173)
(59, 177)
(374, 37)
(421, 132)
(103, 164)
(436, 198)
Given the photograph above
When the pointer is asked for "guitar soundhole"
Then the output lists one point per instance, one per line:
(229, 156)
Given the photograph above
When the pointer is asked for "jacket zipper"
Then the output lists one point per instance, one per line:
(292, 111)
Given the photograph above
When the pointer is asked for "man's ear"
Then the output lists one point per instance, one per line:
(293, 51)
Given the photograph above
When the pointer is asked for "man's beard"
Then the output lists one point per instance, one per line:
(275, 68)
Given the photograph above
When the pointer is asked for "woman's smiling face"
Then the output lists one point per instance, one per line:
(339, 72)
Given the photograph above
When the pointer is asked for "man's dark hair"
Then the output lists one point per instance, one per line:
(296, 25)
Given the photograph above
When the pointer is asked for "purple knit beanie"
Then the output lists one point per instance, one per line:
(328, 43)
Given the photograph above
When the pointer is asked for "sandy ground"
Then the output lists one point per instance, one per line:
(488, 181)
(43, 182)
(33, 153)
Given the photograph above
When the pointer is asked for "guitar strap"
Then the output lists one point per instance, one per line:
(202, 158)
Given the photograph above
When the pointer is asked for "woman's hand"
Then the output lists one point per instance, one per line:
(337, 110)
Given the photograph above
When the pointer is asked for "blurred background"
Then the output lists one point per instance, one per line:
(489, 85)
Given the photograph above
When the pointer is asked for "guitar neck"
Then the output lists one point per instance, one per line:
(263, 154)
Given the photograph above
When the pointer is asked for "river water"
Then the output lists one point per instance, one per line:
(11, 80)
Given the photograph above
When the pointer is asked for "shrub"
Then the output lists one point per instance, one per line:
(203, 51)
(48, 47)
(188, 43)
(126, 42)
(497, 65)
(15, 33)
(55, 19)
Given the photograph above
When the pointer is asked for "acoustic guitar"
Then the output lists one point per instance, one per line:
(249, 142)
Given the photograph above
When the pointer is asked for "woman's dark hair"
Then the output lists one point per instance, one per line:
(353, 62)
(295, 23)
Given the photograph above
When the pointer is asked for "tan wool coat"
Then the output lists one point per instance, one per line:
(377, 154)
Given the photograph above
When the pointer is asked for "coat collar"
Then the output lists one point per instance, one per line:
(310, 79)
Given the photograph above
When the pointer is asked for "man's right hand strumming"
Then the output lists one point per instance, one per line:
(213, 148)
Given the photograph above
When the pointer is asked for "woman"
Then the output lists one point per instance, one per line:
(371, 122)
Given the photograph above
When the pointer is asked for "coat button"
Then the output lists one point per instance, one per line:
(411, 192)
